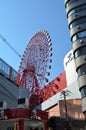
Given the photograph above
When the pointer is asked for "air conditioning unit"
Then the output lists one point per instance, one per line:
(3, 105)
(23, 103)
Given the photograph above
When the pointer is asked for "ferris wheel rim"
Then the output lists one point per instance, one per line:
(46, 35)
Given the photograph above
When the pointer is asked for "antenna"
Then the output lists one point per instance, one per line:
(4, 40)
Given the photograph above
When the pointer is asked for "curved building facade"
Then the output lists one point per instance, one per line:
(76, 15)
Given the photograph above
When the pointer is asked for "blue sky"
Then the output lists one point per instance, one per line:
(21, 19)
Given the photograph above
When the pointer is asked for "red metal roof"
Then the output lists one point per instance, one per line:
(54, 87)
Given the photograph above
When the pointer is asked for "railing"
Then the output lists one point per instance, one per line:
(9, 72)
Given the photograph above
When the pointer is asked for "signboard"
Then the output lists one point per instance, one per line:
(69, 66)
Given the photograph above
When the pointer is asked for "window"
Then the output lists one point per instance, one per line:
(78, 36)
(82, 34)
(71, 12)
(74, 38)
(4, 68)
(21, 101)
(78, 21)
(70, 2)
(10, 128)
(83, 92)
(81, 70)
(80, 51)
(77, 9)
(14, 75)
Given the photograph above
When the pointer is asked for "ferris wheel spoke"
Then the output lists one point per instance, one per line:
(35, 62)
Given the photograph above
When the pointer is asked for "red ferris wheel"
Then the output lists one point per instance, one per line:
(35, 63)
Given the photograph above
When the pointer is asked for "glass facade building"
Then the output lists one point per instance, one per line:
(76, 16)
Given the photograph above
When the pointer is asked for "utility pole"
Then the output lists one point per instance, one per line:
(66, 93)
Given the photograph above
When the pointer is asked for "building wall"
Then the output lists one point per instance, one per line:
(69, 67)
(74, 109)
(54, 111)
(9, 92)
(71, 84)
(76, 16)
(55, 105)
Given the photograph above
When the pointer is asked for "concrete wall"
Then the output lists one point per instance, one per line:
(9, 92)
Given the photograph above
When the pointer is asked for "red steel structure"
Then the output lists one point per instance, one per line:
(32, 76)
(54, 87)
(33, 70)
(34, 65)
(25, 118)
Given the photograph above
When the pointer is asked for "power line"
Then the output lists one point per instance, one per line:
(10, 46)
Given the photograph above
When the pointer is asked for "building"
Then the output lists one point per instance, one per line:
(14, 112)
(76, 16)
(66, 84)
(54, 98)
(9, 90)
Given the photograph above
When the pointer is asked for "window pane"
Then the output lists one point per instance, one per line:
(78, 72)
(77, 9)
(79, 52)
(81, 70)
(71, 12)
(82, 34)
(78, 21)
(70, 2)
(74, 38)
(78, 36)
(83, 92)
